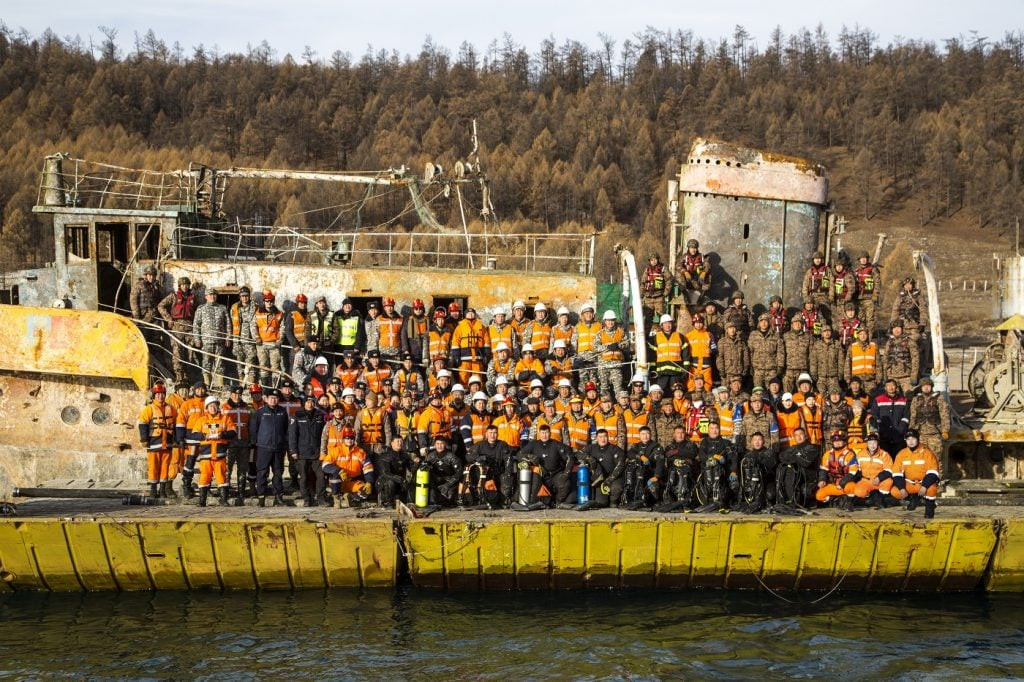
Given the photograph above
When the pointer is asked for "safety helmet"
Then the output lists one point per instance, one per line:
(562, 310)
(475, 379)
(501, 381)
(518, 304)
(444, 373)
(458, 388)
(301, 298)
(509, 400)
(838, 436)
(436, 394)
(348, 433)
(211, 400)
(693, 244)
(479, 395)
(591, 386)
(665, 318)
(804, 376)
(587, 306)
(159, 388)
(440, 313)
(255, 388)
(348, 392)
(268, 295)
(540, 307)
(453, 307)
(527, 348)
(559, 343)
(321, 360)
(536, 383)
(418, 304)
(388, 301)
(564, 382)
(609, 315)
(184, 280)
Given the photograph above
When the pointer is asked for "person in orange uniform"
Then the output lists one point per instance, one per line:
(510, 425)
(702, 346)
(439, 338)
(610, 419)
(875, 473)
(790, 418)
(837, 473)
(348, 468)
(434, 420)
(915, 474)
(580, 424)
(528, 368)
(635, 417)
(156, 432)
(471, 344)
(190, 410)
(212, 432)
(267, 331)
(389, 331)
(372, 426)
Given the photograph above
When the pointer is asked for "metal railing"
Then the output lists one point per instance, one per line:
(67, 181)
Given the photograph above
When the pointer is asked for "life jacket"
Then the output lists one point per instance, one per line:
(510, 431)
(556, 425)
(839, 284)
(727, 419)
(591, 407)
(607, 421)
(702, 344)
(697, 420)
(788, 423)
(540, 336)
(812, 322)
(585, 334)
(605, 337)
(654, 279)
(819, 279)
(433, 421)
(211, 435)
(376, 378)
(836, 465)
(681, 405)
(268, 325)
(579, 430)
(439, 341)
(633, 422)
(240, 414)
(371, 426)
(848, 330)
(319, 326)
(867, 276)
(184, 307)
(812, 423)
(299, 324)
(405, 424)
(503, 333)
(390, 331)
(856, 430)
(694, 263)
(161, 421)
(407, 380)
(778, 320)
(863, 359)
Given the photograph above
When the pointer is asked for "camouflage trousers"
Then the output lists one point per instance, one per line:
(212, 362)
(245, 361)
(789, 379)
(269, 356)
(609, 375)
(763, 374)
(181, 338)
(866, 315)
(931, 438)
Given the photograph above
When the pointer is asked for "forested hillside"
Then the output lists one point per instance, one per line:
(568, 133)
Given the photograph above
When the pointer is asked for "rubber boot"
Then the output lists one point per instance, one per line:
(167, 490)
(278, 500)
(153, 492)
(186, 488)
(223, 496)
(888, 502)
(875, 500)
(929, 509)
(913, 502)
(261, 502)
(203, 492)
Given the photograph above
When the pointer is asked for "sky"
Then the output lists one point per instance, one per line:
(403, 25)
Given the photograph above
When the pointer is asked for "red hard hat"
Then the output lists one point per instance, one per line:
(348, 433)
(439, 312)
(255, 388)
(301, 298)
(698, 318)
(418, 303)
(591, 386)
(268, 295)
(453, 307)
(509, 401)
(159, 388)
(388, 301)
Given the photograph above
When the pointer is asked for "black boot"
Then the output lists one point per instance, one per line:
(223, 496)
(278, 500)
(153, 492)
(186, 488)
(875, 500)
(261, 502)
(166, 491)
(929, 509)
(203, 492)
(914, 501)
(888, 502)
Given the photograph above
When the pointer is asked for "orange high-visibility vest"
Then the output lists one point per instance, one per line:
(161, 420)
(863, 360)
(371, 426)
(669, 347)
(299, 325)
(509, 430)
(579, 430)
(609, 422)
(633, 423)
(376, 378)
(348, 375)
(562, 334)
(439, 342)
(478, 424)
(504, 333)
(240, 414)
(268, 325)
(700, 344)
(788, 423)
(519, 326)
(726, 424)
(561, 369)
(390, 331)
(585, 334)
(812, 422)
(604, 337)
(540, 336)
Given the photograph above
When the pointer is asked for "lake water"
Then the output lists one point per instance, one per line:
(416, 634)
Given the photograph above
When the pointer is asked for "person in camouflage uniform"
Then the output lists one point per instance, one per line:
(733, 354)
(911, 309)
(826, 360)
(210, 331)
(929, 414)
(817, 285)
(900, 358)
(665, 421)
(836, 413)
(178, 309)
(797, 344)
(739, 314)
(241, 343)
(145, 296)
(767, 351)
(869, 289)
(759, 419)
(844, 286)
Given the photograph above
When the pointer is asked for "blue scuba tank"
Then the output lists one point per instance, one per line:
(583, 484)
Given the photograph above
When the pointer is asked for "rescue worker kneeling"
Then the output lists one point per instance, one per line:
(392, 468)
(680, 467)
(757, 473)
(837, 474)
(212, 431)
(915, 474)
(348, 468)
(645, 469)
(607, 463)
(719, 465)
(550, 464)
(443, 469)
(481, 478)
(875, 474)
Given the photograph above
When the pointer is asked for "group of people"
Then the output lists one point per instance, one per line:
(532, 409)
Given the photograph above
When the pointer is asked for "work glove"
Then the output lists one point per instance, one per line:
(734, 482)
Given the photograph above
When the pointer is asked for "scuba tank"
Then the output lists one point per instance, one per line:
(422, 487)
(525, 483)
(583, 484)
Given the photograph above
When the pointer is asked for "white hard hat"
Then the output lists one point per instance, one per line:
(500, 311)
(719, 389)
(444, 373)
(787, 396)
(587, 306)
(497, 398)
(536, 383)
(458, 387)
(518, 304)
(559, 343)
(347, 392)
(564, 382)
(501, 346)
(804, 377)
(610, 315)
(500, 381)
(321, 361)
(539, 306)
(211, 400)
(563, 311)
(656, 387)
(665, 318)
(479, 395)
(475, 380)
(527, 347)
(638, 378)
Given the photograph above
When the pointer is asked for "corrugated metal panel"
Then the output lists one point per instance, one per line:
(1007, 571)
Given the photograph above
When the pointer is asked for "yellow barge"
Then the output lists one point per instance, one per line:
(98, 545)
